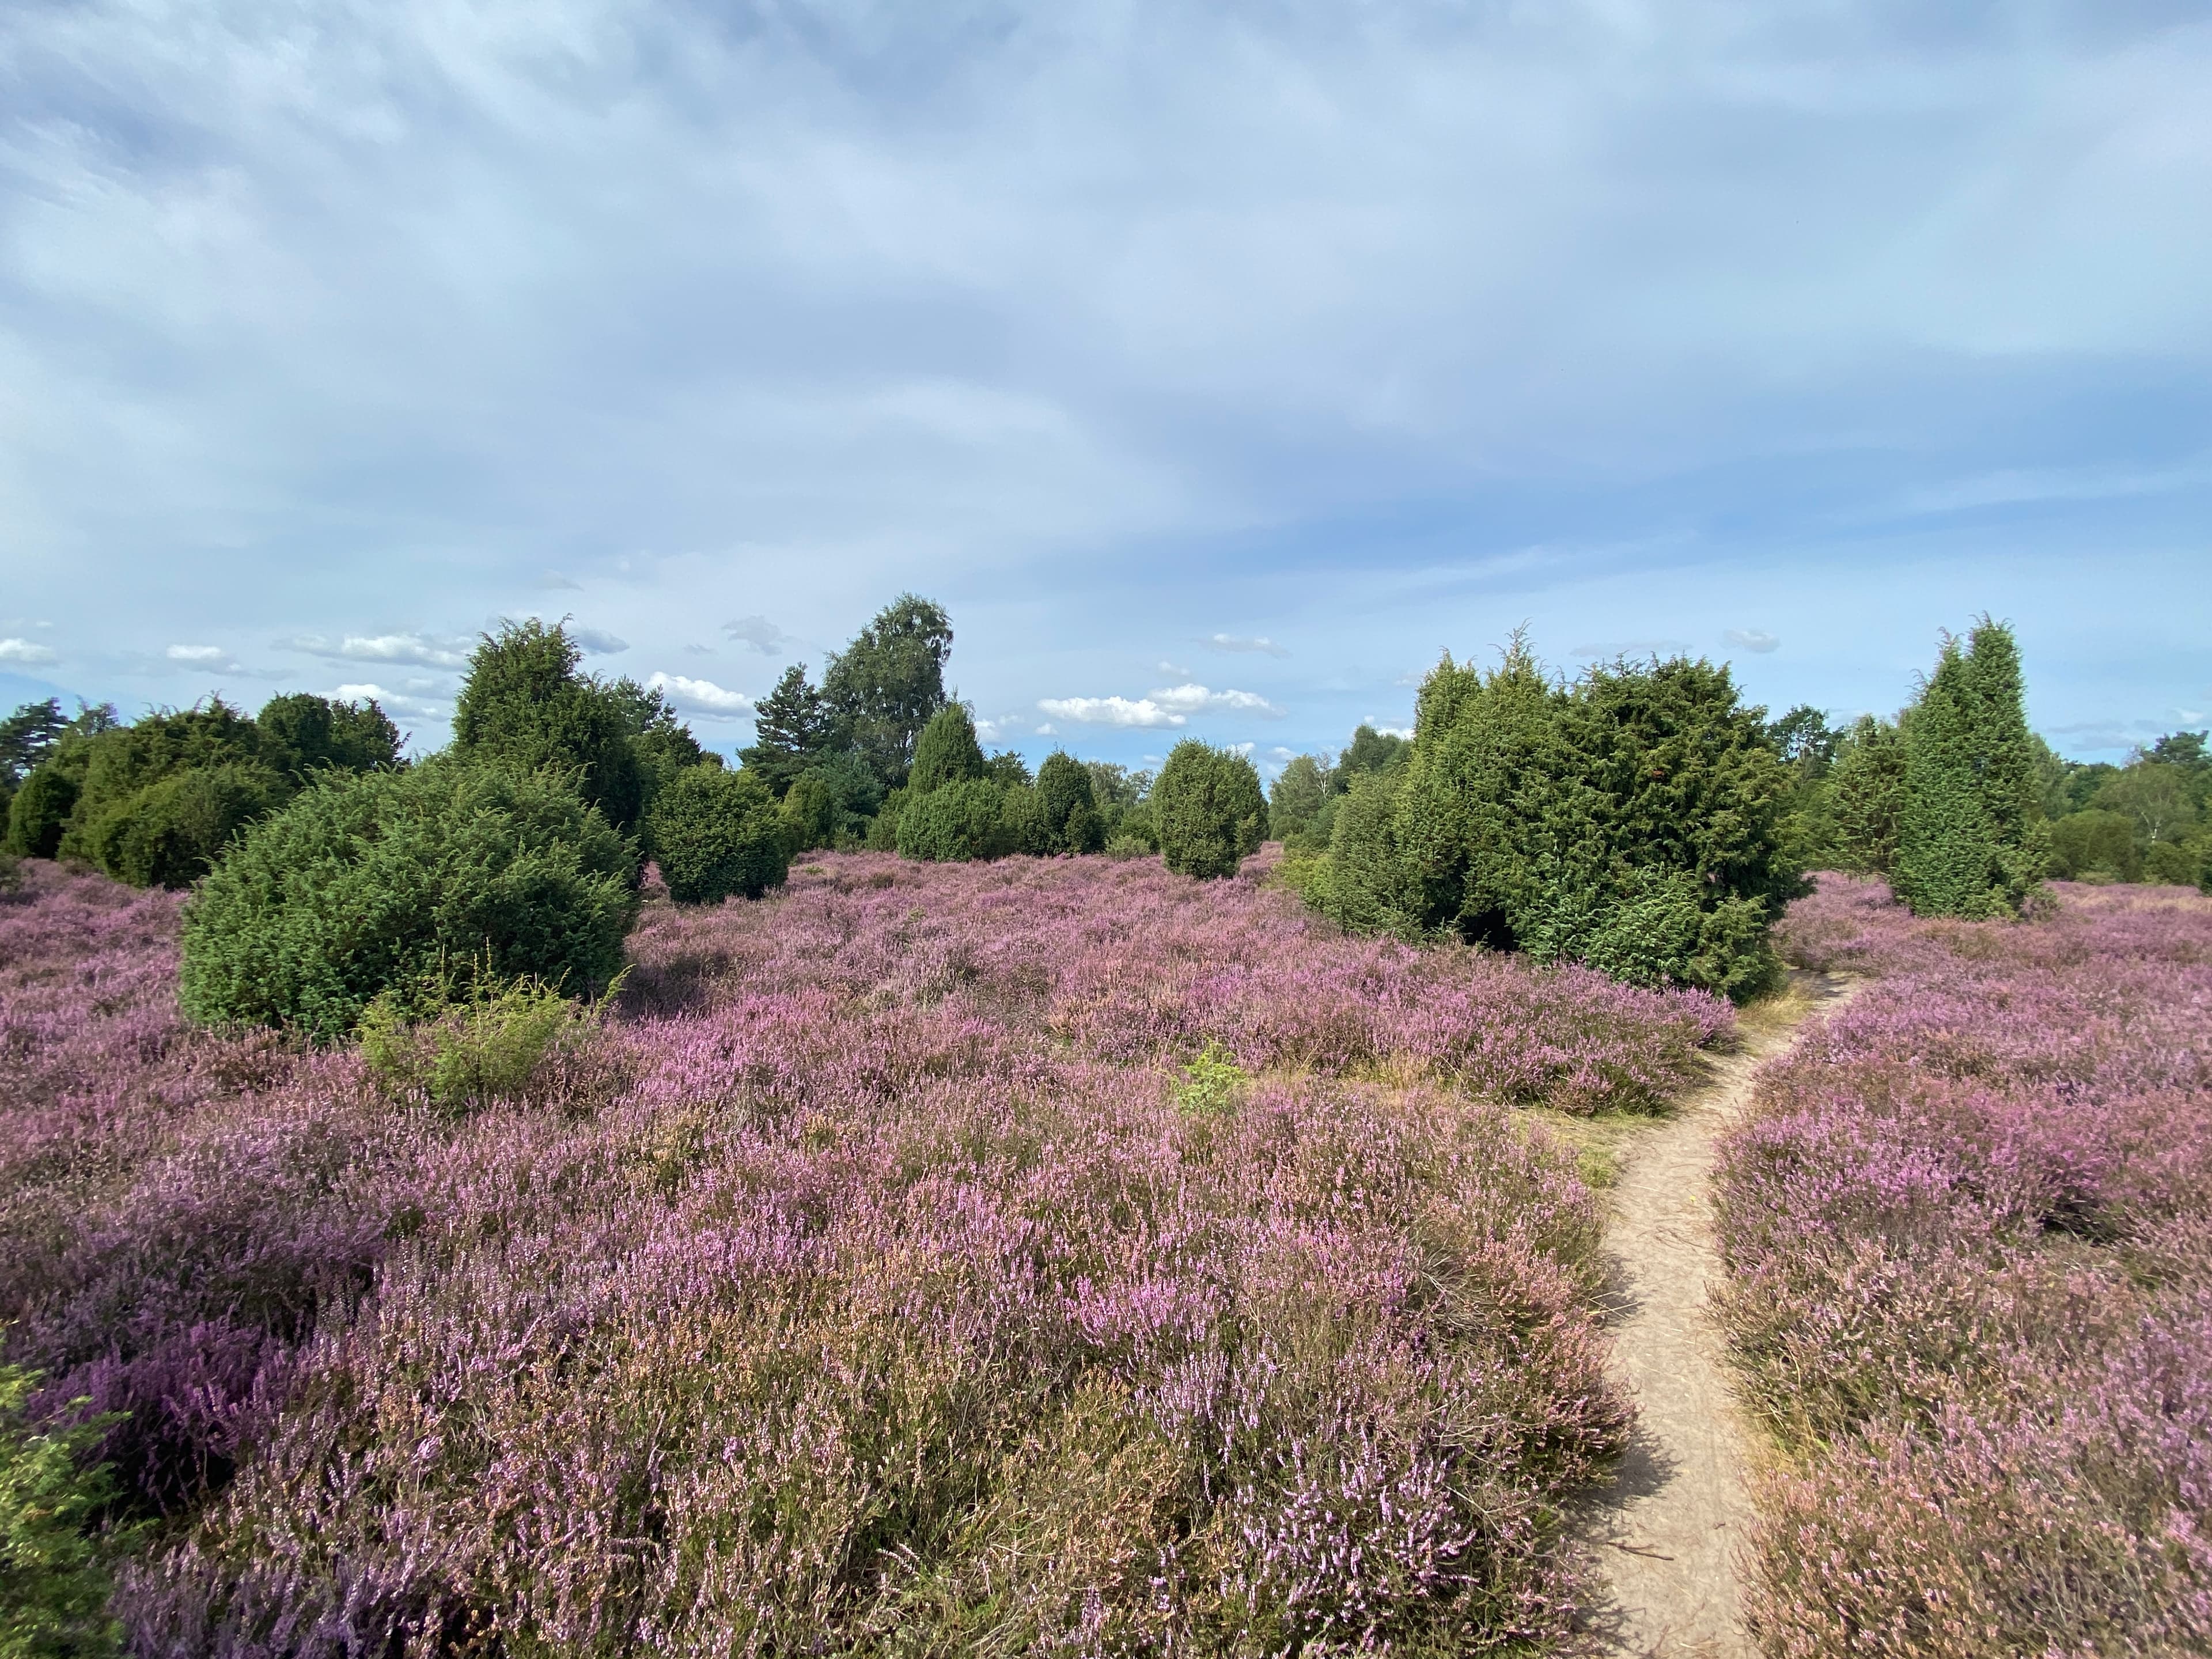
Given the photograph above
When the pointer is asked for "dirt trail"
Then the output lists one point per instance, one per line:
(1669, 1529)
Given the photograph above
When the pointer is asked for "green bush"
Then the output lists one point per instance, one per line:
(122, 763)
(524, 706)
(303, 734)
(719, 833)
(53, 1581)
(1297, 798)
(40, 812)
(377, 881)
(1067, 817)
(1634, 821)
(955, 823)
(1209, 809)
(809, 815)
(947, 752)
(2095, 843)
(1211, 1082)
(491, 1044)
(1970, 839)
(883, 828)
(171, 833)
(1866, 794)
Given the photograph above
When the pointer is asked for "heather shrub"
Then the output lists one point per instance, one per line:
(171, 833)
(717, 833)
(1966, 1231)
(955, 823)
(376, 881)
(53, 1581)
(1209, 810)
(524, 706)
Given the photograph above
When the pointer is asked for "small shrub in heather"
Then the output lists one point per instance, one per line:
(1968, 1229)
(53, 1581)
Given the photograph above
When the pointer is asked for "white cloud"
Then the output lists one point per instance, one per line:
(424, 650)
(393, 703)
(1174, 670)
(197, 653)
(702, 697)
(758, 633)
(1244, 749)
(1198, 699)
(24, 650)
(1752, 638)
(1170, 706)
(1261, 644)
(1111, 711)
(1048, 730)
(598, 642)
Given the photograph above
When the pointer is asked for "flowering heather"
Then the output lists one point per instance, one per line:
(1969, 1227)
(865, 1284)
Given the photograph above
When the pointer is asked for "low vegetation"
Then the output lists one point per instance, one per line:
(1968, 1235)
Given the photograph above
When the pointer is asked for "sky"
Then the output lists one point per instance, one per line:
(1218, 366)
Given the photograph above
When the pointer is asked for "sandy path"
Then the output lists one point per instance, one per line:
(1667, 1528)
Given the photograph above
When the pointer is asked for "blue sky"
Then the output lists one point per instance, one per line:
(1217, 366)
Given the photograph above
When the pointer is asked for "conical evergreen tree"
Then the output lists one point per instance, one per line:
(1970, 841)
(947, 752)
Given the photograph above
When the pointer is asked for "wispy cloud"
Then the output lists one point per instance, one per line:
(1261, 644)
(757, 634)
(197, 653)
(424, 650)
(598, 642)
(1752, 638)
(25, 651)
(702, 698)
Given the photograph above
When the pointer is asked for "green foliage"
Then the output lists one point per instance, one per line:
(792, 729)
(53, 1580)
(883, 828)
(1633, 821)
(1971, 836)
(372, 882)
(1209, 809)
(1866, 797)
(40, 811)
(1211, 1082)
(170, 833)
(303, 734)
(947, 752)
(1066, 816)
(659, 739)
(716, 833)
(882, 689)
(2155, 799)
(1296, 800)
(809, 814)
(2094, 844)
(1008, 769)
(26, 738)
(955, 823)
(1371, 751)
(1366, 883)
(524, 706)
(490, 1043)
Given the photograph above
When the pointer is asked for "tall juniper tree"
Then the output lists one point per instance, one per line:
(1971, 837)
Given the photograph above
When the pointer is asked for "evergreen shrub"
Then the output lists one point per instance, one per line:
(717, 833)
(947, 752)
(955, 823)
(2095, 843)
(1209, 809)
(1066, 810)
(524, 706)
(170, 833)
(385, 880)
(1971, 838)
(40, 812)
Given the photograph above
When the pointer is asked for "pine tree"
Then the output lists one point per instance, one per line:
(792, 729)
(1971, 840)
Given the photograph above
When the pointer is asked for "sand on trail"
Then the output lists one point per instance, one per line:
(1670, 1527)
